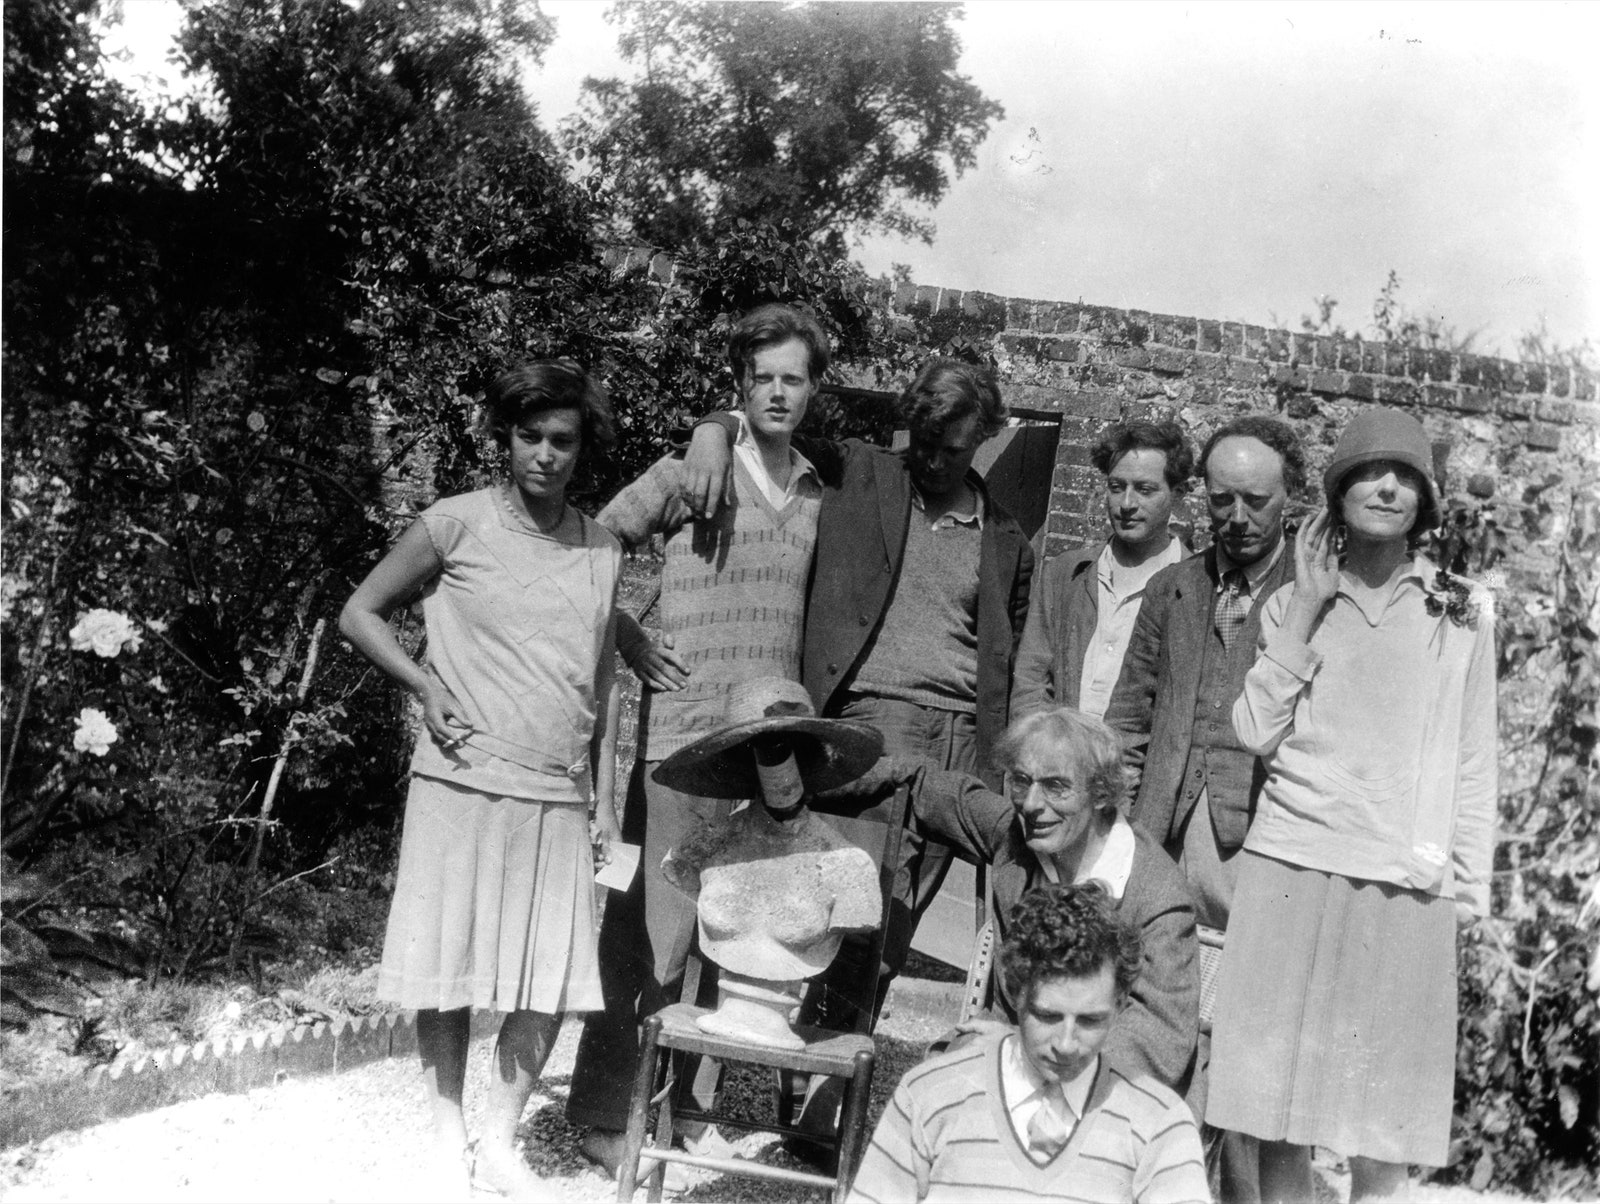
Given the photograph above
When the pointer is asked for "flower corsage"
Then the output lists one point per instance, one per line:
(1452, 597)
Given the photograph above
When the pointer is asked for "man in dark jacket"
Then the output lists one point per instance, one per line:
(919, 593)
(1085, 602)
(1195, 785)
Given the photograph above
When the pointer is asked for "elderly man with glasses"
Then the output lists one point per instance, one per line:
(1063, 824)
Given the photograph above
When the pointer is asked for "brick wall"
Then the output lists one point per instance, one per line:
(1498, 427)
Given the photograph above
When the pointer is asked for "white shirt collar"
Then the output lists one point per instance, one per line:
(745, 444)
(1112, 868)
(950, 518)
(1133, 580)
(1024, 1090)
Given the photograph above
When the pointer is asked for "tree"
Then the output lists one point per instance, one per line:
(244, 339)
(833, 117)
(225, 330)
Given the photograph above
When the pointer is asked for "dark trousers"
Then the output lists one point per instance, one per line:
(945, 740)
(645, 938)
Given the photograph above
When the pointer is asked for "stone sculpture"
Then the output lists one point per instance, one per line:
(776, 886)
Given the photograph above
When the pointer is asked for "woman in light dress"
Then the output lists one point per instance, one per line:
(1373, 706)
(510, 805)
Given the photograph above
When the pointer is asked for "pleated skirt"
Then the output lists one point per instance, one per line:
(1335, 1021)
(494, 905)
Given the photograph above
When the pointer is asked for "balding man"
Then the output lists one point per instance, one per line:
(1193, 643)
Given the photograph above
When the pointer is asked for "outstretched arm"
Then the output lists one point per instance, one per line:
(960, 810)
(399, 577)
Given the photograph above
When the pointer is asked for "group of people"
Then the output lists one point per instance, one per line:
(1287, 742)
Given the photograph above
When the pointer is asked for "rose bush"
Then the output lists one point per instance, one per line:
(105, 633)
(95, 733)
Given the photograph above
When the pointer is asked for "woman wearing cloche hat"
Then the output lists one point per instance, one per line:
(1372, 706)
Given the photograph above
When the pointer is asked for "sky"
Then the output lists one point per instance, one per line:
(1235, 161)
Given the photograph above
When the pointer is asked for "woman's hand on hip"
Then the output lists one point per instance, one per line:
(443, 715)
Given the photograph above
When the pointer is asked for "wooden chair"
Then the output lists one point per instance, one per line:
(671, 1035)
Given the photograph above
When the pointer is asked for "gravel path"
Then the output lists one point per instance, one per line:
(361, 1136)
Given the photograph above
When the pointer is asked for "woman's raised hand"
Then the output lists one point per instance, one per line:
(1316, 577)
(1316, 563)
(444, 716)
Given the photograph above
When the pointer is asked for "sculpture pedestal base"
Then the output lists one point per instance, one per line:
(750, 1010)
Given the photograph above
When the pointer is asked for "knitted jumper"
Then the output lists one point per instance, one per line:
(926, 649)
(733, 592)
(946, 1135)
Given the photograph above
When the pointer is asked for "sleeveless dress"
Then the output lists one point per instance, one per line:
(494, 899)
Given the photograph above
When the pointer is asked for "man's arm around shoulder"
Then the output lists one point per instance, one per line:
(652, 504)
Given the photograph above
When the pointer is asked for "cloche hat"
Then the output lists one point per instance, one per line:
(1381, 434)
(830, 752)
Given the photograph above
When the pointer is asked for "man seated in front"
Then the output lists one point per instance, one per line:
(1030, 1112)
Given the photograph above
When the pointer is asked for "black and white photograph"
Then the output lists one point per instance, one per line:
(800, 601)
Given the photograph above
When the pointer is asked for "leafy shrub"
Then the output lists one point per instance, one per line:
(1528, 1054)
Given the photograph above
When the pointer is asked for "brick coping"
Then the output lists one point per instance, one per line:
(231, 1065)
(235, 1065)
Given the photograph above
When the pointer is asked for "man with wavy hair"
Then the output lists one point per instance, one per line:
(1031, 1112)
(1085, 602)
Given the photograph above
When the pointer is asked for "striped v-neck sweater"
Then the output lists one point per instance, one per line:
(946, 1136)
(733, 592)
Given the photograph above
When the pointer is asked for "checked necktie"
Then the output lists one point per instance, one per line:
(1050, 1127)
(1233, 606)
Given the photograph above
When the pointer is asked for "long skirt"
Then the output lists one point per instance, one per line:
(1335, 1020)
(494, 905)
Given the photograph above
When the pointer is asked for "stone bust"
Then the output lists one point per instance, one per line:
(776, 886)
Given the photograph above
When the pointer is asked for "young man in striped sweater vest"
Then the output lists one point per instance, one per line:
(733, 604)
(1031, 1113)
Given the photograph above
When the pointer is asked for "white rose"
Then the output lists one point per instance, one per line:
(105, 632)
(95, 732)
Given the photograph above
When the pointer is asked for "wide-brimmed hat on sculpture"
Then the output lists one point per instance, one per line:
(830, 752)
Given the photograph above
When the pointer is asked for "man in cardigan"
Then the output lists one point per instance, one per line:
(1192, 645)
(1085, 601)
(917, 600)
(732, 605)
(1033, 1112)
